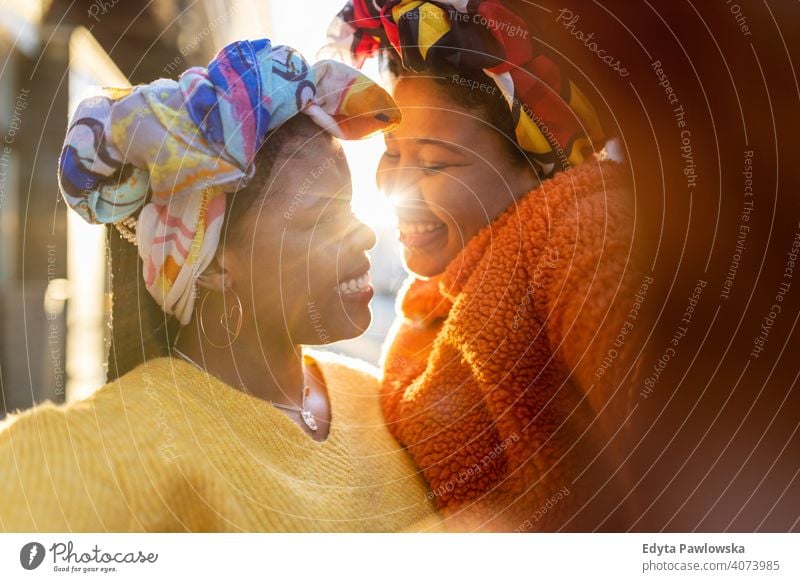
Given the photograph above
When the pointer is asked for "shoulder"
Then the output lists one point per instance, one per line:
(47, 415)
(586, 213)
(158, 382)
(603, 185)
(116, 407)
(62, 470)
(61, 438)
(591, 177)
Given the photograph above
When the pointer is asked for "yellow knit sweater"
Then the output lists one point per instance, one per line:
(171, 448)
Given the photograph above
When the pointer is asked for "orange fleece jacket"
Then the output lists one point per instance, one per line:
(491, 380)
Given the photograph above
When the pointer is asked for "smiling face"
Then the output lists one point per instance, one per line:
(448, 172)
(297, 255)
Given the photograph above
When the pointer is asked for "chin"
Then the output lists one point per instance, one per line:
(425, 266)
(353, 324)
(359, 322)
(342, 315)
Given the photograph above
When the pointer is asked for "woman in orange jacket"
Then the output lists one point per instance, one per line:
(507, 373)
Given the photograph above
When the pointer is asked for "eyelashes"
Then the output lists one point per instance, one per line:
(337, 214)
(428, 168)
(390, 156)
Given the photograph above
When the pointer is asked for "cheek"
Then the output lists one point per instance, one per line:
(465, 203)
(322, 269)
(264, 273)
(445, 197)
(275, 268)
(324, 259)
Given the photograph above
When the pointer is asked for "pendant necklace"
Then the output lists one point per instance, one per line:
(305, 414)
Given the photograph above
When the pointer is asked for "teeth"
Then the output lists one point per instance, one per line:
(418, 227)
(354, 285)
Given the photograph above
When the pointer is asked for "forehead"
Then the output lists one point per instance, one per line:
(429, 112)
(324, 175)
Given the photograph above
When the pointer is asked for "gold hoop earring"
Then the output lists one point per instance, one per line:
(232, 333)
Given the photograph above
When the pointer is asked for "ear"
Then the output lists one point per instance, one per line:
(215, 278)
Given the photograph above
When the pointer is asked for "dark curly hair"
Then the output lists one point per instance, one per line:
(491, 106)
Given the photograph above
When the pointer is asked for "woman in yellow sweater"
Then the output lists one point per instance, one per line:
(239, 209)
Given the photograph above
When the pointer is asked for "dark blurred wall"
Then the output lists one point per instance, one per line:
(32, 347)
(142, 38)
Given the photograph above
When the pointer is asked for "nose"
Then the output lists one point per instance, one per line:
(362, 237)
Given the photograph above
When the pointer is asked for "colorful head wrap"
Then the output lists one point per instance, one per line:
(553, 120)
(174, 148)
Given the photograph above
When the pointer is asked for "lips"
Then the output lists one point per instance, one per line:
(419, 234)
(356, 286)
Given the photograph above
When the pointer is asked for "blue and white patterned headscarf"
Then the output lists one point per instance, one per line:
(174, 148)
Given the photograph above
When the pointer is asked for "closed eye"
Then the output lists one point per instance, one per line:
(432, 168)
(391, 156)
(340, 211)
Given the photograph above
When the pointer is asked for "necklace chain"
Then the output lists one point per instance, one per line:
(305, 414)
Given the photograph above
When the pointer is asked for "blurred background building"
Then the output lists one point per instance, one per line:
(53, 53)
